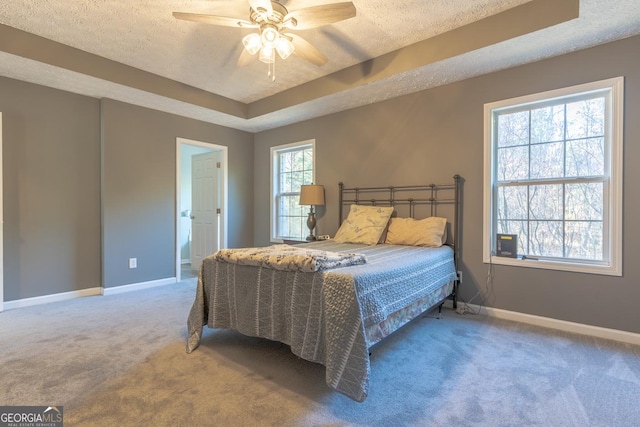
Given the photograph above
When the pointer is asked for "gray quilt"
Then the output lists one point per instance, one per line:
(321, 315)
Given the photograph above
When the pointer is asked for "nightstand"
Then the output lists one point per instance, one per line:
(293, 242)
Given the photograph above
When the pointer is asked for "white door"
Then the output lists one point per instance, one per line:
(204, 206)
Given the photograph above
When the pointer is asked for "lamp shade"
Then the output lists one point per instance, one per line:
(267, 55)
(284, 47)
(252, 43)
(312, 195)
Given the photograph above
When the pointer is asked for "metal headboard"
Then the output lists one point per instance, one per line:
(431, 195)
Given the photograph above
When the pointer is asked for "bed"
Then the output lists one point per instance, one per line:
(331, 301)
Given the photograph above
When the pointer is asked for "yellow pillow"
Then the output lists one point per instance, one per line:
(430, 231)
(365, 224)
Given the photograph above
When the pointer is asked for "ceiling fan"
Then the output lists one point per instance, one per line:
(274, 21)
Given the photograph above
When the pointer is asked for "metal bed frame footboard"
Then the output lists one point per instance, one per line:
(411, 197)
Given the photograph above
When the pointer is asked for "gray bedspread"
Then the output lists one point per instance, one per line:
(322, 315)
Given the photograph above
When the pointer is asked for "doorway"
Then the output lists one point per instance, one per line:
(208, 234)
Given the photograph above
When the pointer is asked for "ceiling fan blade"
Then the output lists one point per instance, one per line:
(306, 50)
(245, 58)
(214, 20)
(316, 16)
(263, 6)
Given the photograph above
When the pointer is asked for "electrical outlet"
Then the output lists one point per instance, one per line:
(460, 276)
(133, 262)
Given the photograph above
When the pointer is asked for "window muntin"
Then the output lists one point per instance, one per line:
(292, 166)
(553, 171)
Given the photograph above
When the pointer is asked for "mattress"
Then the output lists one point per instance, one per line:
(323, 316)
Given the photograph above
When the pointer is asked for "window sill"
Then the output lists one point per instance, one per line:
(604, 269)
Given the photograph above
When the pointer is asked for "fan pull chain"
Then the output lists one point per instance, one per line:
(272, 70)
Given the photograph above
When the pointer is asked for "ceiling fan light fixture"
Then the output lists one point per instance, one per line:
(284, 47)
(267, 55)
(270, 36)
(252, 43)
(272, 19)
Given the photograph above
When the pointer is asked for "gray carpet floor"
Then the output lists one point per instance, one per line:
(121, 360)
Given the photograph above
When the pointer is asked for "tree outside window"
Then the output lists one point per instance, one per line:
(292, 167)
(553, 171)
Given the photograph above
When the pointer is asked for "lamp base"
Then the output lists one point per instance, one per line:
(311, 223)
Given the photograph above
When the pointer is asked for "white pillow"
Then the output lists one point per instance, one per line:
(365, 224)
(430, 231)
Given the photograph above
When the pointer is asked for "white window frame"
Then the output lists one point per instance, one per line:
(275, 151)
(612, 246)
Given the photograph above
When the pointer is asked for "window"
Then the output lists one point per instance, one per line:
(292, 165)
(553, 178)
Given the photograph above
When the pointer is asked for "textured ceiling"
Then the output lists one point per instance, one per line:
(143, 34)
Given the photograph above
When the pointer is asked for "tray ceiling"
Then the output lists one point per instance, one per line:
(137, 52)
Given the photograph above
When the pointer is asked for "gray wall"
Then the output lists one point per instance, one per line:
(52, 165)
(139, 166)
(51, 183)
(432, 135)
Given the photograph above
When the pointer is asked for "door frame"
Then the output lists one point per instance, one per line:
(223, 191)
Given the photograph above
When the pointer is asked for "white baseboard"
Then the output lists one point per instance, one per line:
(561, 325)
(138, 286)
(45, 299)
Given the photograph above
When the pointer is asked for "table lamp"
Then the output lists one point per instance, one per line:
(312, 195)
